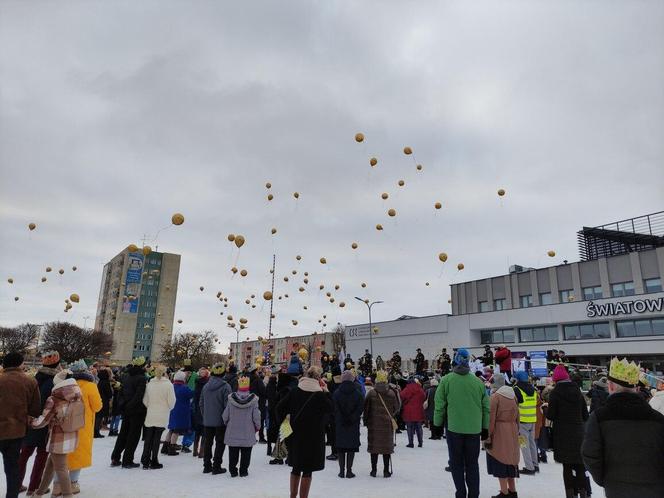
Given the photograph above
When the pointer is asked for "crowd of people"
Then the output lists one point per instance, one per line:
(614, 432)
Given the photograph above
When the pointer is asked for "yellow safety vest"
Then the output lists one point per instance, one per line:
(528, 409)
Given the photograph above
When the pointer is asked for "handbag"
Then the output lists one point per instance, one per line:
(395, 426)
(286, 429)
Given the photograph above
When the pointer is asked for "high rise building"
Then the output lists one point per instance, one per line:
(137, 302)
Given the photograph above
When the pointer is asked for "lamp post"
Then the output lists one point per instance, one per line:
(237, 340)
(369, 305)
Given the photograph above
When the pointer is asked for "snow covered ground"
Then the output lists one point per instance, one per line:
(418, 472)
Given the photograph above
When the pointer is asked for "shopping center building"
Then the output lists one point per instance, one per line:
(608, 303)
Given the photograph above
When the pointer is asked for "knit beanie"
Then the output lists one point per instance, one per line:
(50, 358)
(180, 376)
(560, 373)
(78, 366)
(462, 357)
(243, 384)
(498, 381)
(347, 376)
(521, 376)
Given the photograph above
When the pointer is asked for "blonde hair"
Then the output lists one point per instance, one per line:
(159, 371)
(313, 372)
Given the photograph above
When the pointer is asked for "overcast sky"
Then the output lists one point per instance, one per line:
(115, 115)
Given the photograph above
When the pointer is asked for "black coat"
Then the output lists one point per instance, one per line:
(624, 447)
(133, 389)
(348, 406)
(306, 446)
(44, 378)
(271, 398)
(231, 379)
(285, 383)
(258, 388)
(598, 397)
(197, 416)
(105, 392)
(568, 411)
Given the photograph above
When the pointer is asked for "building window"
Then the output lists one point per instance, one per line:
(566, 296)
(590, 293)
(598, 330)
(545, 298)
(622, 289)
(484, 306)
(538, 334)
(497, 336)
(639, 328)
(499, 304)
(526, 301)
(652, 285)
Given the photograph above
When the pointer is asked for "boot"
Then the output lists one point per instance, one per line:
(197, 440)
(171, 450)
(569, 493)
(386, 466)
(269, 449)
(374, 465)
(342, 464)
(349, 465)
(165, 447)
(294, 485)
(305, 485)
(583, 493)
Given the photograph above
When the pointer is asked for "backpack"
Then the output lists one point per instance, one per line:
(73, 417)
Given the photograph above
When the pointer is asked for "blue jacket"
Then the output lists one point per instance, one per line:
(214, 398)
(180, 418)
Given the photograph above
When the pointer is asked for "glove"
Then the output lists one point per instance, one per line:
(485, 434)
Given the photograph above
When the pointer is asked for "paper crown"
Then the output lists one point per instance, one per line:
(381, 376)
(50, 358)
(624, 373)
(187, 362)
(218, 369)
(139, 362)
(243, 384)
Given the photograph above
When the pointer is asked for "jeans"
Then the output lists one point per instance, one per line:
(414, 428)
(37, 467)
(188, 439)
(214, 435)
(130, 435)
(11, 449)
(245, 458)
(529, 453)
(115, 423)
(152, 438)
(56, 463)
(464, 456)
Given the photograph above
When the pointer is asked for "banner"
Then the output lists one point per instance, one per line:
(132, 283)
(538, 364)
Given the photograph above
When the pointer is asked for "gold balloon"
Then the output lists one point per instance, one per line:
(147, 250)
(243, 321)
(294, 272)
(442, 256)
(294, 322)
(384, 196)
(392, 212)
(274, 230)
(438, 205)
(354, 245)
(285, 279)
(418, 167)
(407, 150)
(231, 237)
(74, 298)
(43, 279)
(10, 280)
(132, 248)
(16, 298)
(342, 304)
(401, 183)
(551, 254)
(331, 299)
(246, 301)
(321, 286)
(301, 289)
(73, 268)
(234, 270)
(298, 257)
(364, 285)
(427, 284)
(375, 330)
(323, 261)
(373, 161)
(61, 271)
(48, 269)
(179, 321)
(239, 241)
(268, 185)
(306, 280)
(337, 287)
(328, 294)
(296, 195)
(501, 192)
(177, 219)
(359, 137)
(460, 266)
(243, 273)
(267, 295)
(32, 226)
(201, 288)
(270, 197)
(379, 227)
(230, 318)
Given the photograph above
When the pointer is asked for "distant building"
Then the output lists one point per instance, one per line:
(137, 302)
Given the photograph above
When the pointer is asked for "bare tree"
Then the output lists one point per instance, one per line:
(18, 339)
(197, 347)
(339, 338)
(74, 343)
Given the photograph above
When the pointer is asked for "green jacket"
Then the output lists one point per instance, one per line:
(461, 398)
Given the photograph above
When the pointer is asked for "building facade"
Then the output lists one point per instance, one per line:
(137, 302)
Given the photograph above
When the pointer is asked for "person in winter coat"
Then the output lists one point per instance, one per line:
(428, 411)
(243, 419)
(196, 415)
(348, 407)
(380, 407)
(308, 408)
(81, 458)
(380, 363)
(179, 422)
(116, 407)
(657, 401)
(60, 443)
(502, 446)
(419, 362)
(106, 394)
(159, 400)
(231, 377)
(412, 411)
(461, 400)
(133, 415)
(623, 446)
(285, 384)
(214, 398)
(19, 399)
(527, 398)
(598, 393)
(503, 359)
(36, 438)
(271, 400)
(258, 388)
(568, 411)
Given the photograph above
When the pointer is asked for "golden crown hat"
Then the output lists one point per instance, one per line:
(623, 372)
(243, 383)
(218, 369)
(381, 376)
(139, 362)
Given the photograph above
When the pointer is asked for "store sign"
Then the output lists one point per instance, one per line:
(359, 331)
(538, 363)
(625, 307)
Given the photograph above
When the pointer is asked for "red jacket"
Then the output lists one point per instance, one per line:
(503, 358)
(412, 399)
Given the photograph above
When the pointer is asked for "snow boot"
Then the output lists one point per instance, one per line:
(387, 466)
(165, 447)
(374, 465)
(349, 465)
(342, 464)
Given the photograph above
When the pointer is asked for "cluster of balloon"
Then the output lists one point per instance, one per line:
(303, 354)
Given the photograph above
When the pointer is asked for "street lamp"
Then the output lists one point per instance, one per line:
(369, 305)
(237, 340)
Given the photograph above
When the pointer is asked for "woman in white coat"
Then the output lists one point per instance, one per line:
(159, 398)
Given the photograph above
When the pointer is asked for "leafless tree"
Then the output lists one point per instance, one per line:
(198, 347)
(74, 343)
(18, 339)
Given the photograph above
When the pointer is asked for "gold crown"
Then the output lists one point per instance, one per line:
(623, 372)
(218, 369)
(139, 362)
(381, 376)
(243, 383)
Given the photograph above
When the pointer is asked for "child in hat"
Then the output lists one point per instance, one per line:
(243, 419)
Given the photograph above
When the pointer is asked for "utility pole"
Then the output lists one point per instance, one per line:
(269, 332)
